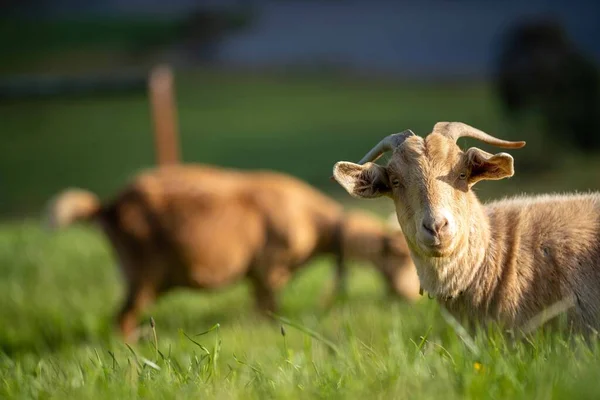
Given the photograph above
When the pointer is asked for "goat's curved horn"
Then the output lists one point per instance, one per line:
(388, 143)
(456, 130)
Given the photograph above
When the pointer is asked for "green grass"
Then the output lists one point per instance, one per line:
(58, 294)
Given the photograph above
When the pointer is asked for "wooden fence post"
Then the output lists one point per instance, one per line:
(164, 114)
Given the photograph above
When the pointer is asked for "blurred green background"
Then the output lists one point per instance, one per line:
(300, 124)
(297, 124)
(288, 115)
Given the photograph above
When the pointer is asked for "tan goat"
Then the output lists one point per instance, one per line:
(206, 227)
(506, 261)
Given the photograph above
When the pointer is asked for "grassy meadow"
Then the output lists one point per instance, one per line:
(59, 291)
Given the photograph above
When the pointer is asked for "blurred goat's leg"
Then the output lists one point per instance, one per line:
(265, 296)
(339, 292)
(139, 296)
(341, 277)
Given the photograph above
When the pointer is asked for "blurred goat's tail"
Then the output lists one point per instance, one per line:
(70, 206)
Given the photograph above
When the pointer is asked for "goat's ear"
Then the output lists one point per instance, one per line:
(363, 181)
(486, 166)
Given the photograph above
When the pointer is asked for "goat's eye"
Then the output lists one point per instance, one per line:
(462, 176)
(395, 182)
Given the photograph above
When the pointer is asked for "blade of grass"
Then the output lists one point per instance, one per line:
(308, 331)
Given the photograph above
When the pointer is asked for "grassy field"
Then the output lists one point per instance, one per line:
(58, 292)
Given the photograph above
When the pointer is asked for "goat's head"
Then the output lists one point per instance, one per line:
(430, 181)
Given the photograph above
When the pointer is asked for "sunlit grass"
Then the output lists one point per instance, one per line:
(58, 294)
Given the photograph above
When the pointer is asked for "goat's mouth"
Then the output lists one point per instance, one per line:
(435, 248)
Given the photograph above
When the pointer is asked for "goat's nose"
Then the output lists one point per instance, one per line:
(435, 226)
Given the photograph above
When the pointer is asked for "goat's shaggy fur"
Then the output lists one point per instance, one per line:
(505, 261)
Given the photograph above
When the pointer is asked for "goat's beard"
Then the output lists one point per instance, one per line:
(446, 275)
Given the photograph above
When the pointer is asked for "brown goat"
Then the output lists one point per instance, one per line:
(207, 227)
(507, 261)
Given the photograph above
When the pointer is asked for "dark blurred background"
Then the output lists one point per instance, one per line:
(292, 86)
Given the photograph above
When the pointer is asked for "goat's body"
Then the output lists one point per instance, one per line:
(197, 218)
(203, 227)
(206, 227)
(541, 250)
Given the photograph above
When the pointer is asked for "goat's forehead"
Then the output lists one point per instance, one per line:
(435, 152)
(440, 148)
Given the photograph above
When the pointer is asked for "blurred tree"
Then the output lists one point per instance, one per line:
(197, 36)
(539, 70)
(204, 29)
(8, 6)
